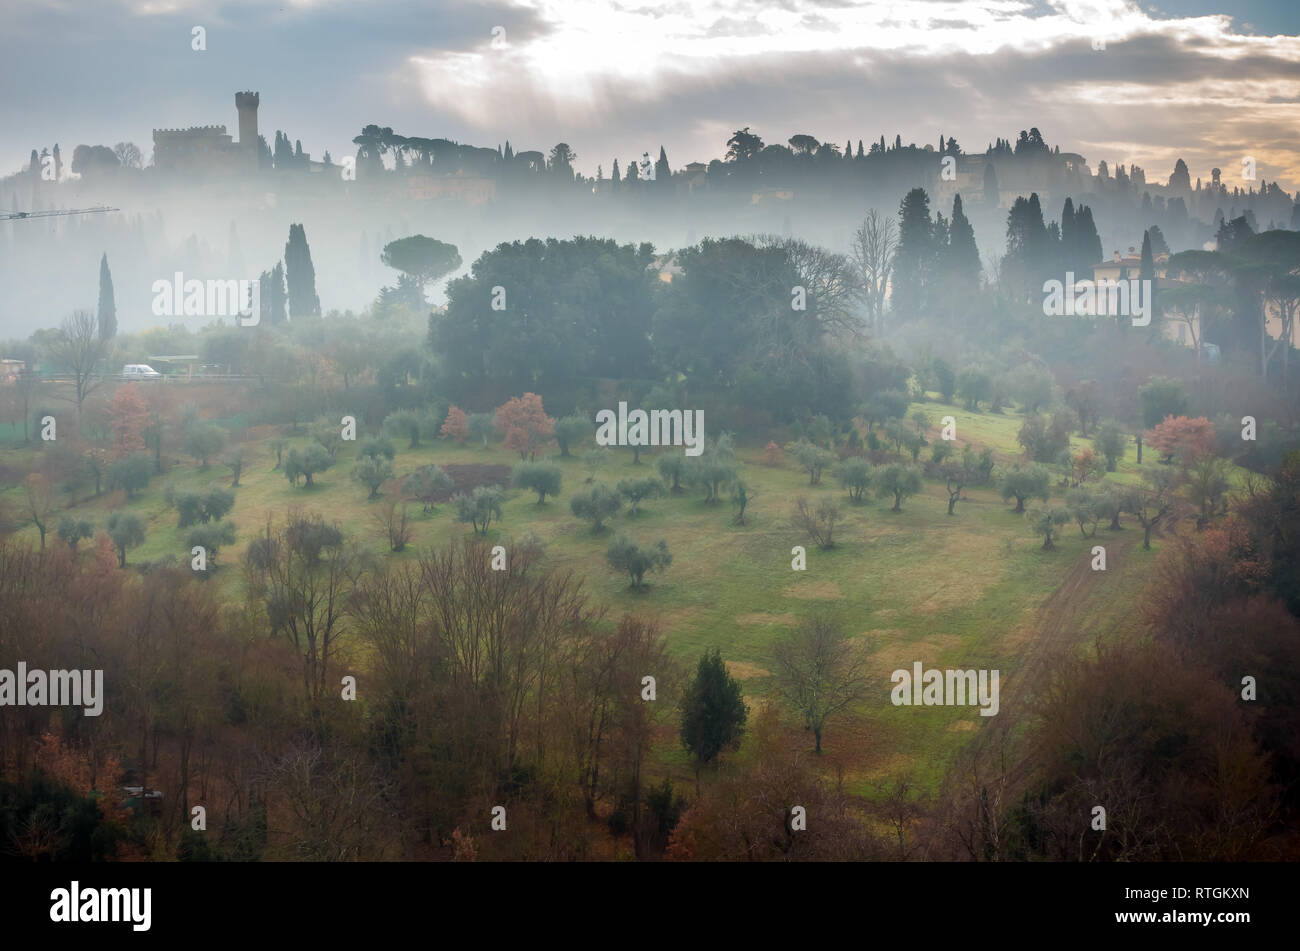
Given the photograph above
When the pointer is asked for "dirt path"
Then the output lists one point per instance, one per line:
(1056, 636)
(1056, 624)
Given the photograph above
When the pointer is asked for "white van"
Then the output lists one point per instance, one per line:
(140, 371)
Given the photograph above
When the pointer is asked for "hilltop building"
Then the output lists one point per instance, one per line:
(209, 148)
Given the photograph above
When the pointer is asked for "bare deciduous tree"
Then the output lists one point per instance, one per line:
(394, 524)
(78, 350)
(819, 673)
(128, 153)
(818, 523)
(872, 253)
(40, 501)
(828, 278)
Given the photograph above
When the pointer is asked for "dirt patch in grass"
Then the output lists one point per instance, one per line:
(814, 591)
(761, 618)
(897, 654)
(876, 638)
(744, 670)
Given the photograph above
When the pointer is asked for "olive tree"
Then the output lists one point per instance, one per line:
(625, 555)
(544, 478)
(595, 506)
(897, 480)
(1030, 482)
(638, 490)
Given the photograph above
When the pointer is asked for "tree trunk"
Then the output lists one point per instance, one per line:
(1146, 539)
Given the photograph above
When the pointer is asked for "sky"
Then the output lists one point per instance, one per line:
(1211, 82)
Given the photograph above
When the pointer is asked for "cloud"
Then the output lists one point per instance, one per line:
(619, 78)
(1160, 87)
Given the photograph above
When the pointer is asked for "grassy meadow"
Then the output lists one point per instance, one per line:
(973, 590)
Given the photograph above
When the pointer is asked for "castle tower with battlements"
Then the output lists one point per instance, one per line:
(246, 103)
(200, 150)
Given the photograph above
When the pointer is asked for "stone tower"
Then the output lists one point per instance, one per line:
(246, 103)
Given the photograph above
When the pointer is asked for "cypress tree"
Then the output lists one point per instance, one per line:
(1069, 235)
(962, 253)
(107, 304)
(913, 261)
(1147, 269)
(1088, 242)
(273, 295)
(300, 275)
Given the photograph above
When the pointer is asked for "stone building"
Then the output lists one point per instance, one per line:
(209, 148)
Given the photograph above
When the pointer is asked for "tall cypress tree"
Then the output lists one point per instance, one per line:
(963, 257)
(1069, 235)
(1087, 241)
(615, 181)
(300, 275)
(1147, 271)
(107, 304)
(273, 295)
(1026, 246)
(913, 261)
(663, 174)
(283, 151)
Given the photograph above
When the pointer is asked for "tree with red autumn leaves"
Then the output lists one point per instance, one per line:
(525, 423)
(456, 426)
(1183, 438)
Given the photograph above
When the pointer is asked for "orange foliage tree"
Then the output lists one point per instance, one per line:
(130, 419)
(772, 454)
(456, 426)
(525, 423)
(1182, 437)
(1086, 465)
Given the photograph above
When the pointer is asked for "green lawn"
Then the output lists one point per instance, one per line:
(915, 585)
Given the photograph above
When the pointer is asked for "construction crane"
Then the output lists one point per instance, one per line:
(46, 214)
